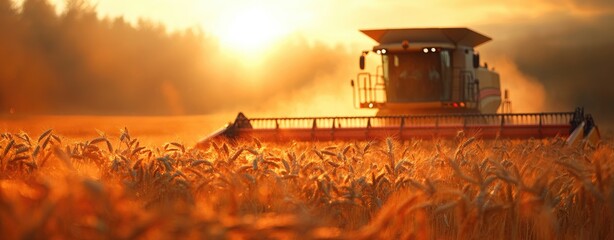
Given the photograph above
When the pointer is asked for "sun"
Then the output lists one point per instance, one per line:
(249, 30)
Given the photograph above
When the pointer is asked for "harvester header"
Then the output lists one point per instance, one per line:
(429, 83)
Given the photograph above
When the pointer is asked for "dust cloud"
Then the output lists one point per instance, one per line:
(300, 78)
(568, 55)
(526, 93)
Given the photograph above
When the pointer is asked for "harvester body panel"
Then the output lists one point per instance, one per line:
(428, 71)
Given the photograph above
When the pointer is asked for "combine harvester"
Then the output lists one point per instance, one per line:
(430, 84)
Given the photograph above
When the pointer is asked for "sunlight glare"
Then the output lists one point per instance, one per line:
(249, 30)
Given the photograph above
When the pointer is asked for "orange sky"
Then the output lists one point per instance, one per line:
(332, 22)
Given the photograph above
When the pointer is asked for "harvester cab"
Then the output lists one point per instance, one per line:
(426, 71)
(429, 84)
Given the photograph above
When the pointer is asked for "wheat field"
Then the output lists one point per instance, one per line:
(115, 187)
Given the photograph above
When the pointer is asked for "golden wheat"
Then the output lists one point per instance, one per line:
(444, 189)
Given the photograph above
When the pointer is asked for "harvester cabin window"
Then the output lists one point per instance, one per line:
(418, 76)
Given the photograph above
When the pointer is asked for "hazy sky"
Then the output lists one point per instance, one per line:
(333, 21)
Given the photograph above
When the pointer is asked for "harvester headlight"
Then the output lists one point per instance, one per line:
(425, 50)
(384, 51)
(433, 49)
(378, 51)
(462, 104)
(370, 105)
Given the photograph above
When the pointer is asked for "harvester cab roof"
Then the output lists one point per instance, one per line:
(420, 38)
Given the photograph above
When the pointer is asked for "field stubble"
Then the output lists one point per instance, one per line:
(465, 188)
